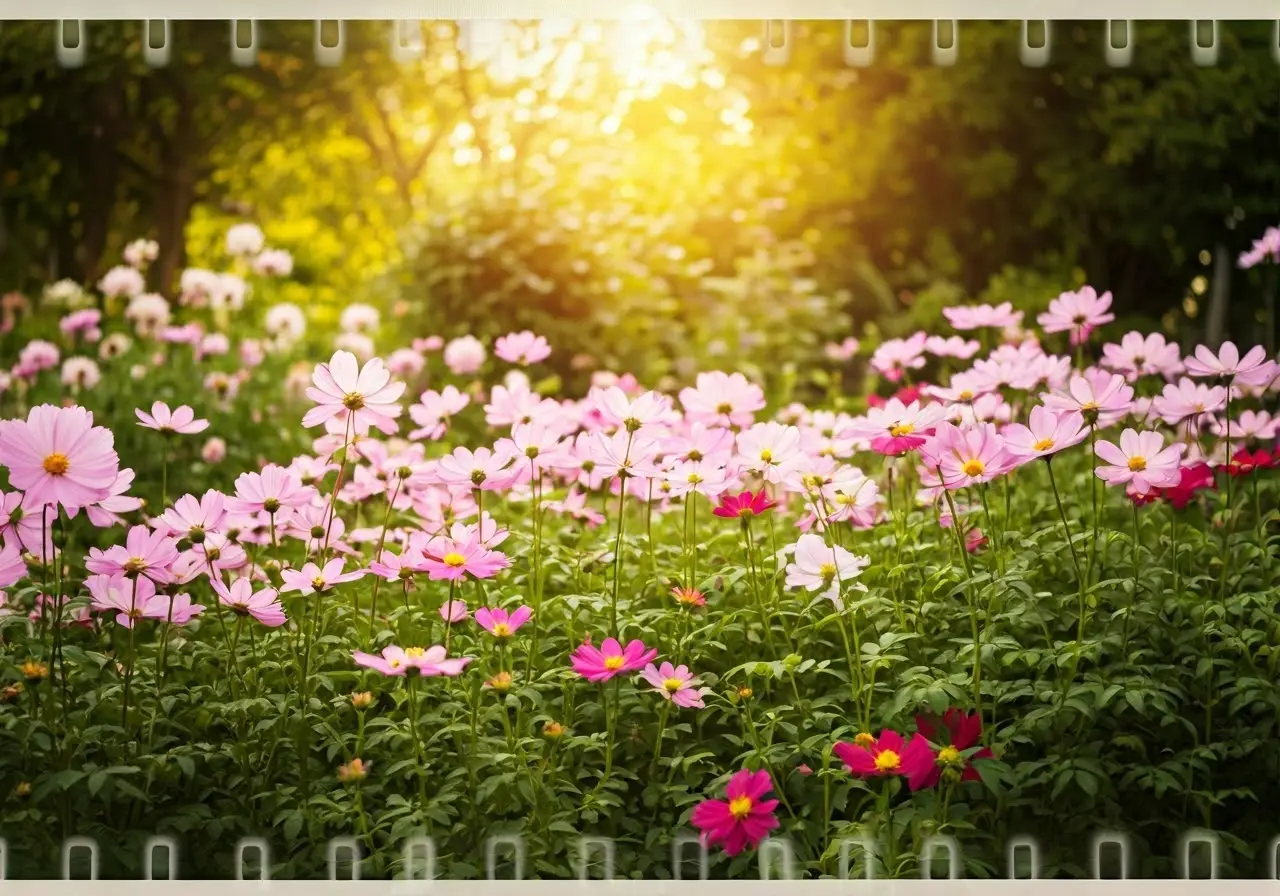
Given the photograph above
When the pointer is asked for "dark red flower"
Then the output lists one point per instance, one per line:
(964, 730)
(1245, 462)
(1196, 477)
(744, 505)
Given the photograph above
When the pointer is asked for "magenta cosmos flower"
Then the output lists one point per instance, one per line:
(964, 731)
(345, 392)
(1047, 432)
(1141, 458)
(311, 579)
(888, 754)
(399, 661)
(610, 659)
(181, 420)
(501, 624)
(675, 683)
(57, 456)
(745, 505)
(896, 428)
(743, 818)
(240, 597)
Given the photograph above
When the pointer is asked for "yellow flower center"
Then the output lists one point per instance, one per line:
(901, 429)
(863, 739)
(673, 684)
(827, 571)
(1137, 464)
(501, 630)
(414, 652)
(966, 395)
(1089, 406)
(974, 467)
(949, 755)
(613, 663)
(57, 464)
(767, 456)
(353, 401)
(888, 760)
(454, 559)
(1043, 445)
(317, 583)
(724, 408)
(740, 807)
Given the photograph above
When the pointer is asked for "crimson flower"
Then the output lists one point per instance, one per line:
(963, 732)
(743, 506)
(1245, 462)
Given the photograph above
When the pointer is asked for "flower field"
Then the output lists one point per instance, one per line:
(408, 588)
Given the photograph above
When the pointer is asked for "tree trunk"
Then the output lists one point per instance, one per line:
(1219, 297)
(101, 162)
(176, 196)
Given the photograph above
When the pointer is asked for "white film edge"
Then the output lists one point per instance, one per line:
(1225, 10)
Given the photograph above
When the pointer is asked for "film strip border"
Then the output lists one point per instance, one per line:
(70, 44)
(941, 859)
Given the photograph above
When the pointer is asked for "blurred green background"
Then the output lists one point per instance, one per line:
(654, 197)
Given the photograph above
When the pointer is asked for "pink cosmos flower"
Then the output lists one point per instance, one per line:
(894, 357)
(311, 579)
(888, 754)
(12, 566)
(501, 624)
(464, 355)
(1047, 433)
(818, 566)
(953, 346)
(722, 399)
(743, 818)
(974, 317)
(401, 661)
(263, 605)
(1228, 363)
(675, 683)
(843, 350)
(181, 420)
(1077, 312)
(345, 392)
(611, 658)
(1264, 249)
(1139, 355)
(523, 348)
(768, 448)
(192, 518)
(1102, 398)
(1188, 399)
(57, 456)
(482, 468)
(453, 611)
(447, 559)
(896, 428)
(144, 553)
(129, 598)
(616, 409)
(968, 455)
(178, 609)
(1142, 459)
(399, 567)
(106, 513)
(273, 489)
